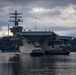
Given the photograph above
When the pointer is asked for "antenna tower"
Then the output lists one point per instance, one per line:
(16, 19)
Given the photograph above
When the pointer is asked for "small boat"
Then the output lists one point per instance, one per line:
(37, 52)
(58, 50)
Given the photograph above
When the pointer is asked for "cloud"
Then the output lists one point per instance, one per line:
(4, 31)
(37, 3)
(48, 14)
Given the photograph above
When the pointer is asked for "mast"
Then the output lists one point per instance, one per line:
(35, 25)
(16, 19)
(8, 30)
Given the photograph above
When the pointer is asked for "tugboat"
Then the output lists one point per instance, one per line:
(37, 52)
(58, 50)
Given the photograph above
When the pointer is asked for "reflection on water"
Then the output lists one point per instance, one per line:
(24, 64)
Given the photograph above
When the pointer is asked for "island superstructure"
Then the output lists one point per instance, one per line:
(30, 38)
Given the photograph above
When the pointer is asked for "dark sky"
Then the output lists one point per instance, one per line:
(56, 15)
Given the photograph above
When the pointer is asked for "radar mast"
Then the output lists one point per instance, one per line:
(16, 19)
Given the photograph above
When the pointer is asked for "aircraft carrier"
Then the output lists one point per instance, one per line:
(30, 38)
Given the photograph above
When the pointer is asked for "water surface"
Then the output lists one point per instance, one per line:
(24, 64)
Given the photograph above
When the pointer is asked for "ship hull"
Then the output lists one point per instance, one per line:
(36, 54)
(57, 53)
